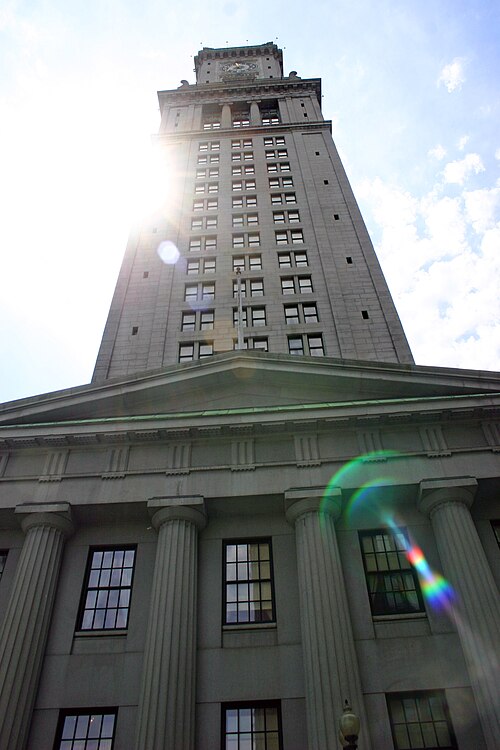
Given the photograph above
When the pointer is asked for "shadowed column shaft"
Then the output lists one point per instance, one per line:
(167, 700)
(330, 661)
(477, 611)
(26, 624)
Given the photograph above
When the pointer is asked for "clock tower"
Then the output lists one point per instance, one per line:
(268, 235)
(238, 63)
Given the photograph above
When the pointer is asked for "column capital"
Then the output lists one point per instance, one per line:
(184, 508)
(433, 493)
(56, 515)
(302, 500)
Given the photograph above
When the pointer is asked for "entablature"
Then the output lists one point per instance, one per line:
(223, 93)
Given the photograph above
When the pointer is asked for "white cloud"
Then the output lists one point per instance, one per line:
(482, 208)
(462, 142)
(497, 154)
(438, 152)
(444, 279)
(452, 75)
(456, 172)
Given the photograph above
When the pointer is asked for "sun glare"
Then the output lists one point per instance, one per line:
(153, 186)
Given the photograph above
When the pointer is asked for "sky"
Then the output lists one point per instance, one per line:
(411, 88)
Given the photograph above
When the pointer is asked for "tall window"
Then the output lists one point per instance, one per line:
(248, 589)
(420, 720)
(3, 560)
(87, 730)
(251, 726)
(108, 585)
(392, 582)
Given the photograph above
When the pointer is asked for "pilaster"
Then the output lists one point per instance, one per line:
(477, 609)
(27, 619)
(330, 661)
(167, 699)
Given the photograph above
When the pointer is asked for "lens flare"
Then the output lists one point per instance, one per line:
(436, 589)
(168, 252)
(352, 474)
(360, 473)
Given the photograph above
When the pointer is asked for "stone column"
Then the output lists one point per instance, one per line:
(255, 118)
(167, 698)
(27, 619)
(477, 610)
(226, 121)
(330, 661)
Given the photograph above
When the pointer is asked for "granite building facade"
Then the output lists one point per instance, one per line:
(240, 522)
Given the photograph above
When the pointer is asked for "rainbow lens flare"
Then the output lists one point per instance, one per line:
(363, 473)
(435, 588)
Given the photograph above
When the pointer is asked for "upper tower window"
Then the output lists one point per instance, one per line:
(270, 112)
(211, 118)
(241, 117)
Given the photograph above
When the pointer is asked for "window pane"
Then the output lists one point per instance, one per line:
(251, 727)
(412, 722)
(105, 588)
(85, 731)
(391, 590)
(253, 598)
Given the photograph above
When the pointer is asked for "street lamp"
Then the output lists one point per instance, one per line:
(349, 728)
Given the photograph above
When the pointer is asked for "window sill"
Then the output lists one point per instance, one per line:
(398, 618)
(238, 626)
(99, 633)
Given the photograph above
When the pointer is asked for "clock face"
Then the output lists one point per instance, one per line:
(239, 68)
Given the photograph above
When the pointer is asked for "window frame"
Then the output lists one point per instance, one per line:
(241, 705)
(186, 358)
(226, 581)
(188, 322)
(86, 588)
(295, 351)
(376, 609)
(209, 323)
(415, 696)
(315, 351)
(97, 711)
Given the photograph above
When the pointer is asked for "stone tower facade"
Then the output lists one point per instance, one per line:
(256, 190)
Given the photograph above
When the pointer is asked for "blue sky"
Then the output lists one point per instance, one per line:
(411, 88)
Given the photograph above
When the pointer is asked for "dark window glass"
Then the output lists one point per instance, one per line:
(496, 530)
(420, 720)
(88, 730)
(3, 560)
(251, 726)
(106, 596)
(248, 588)
(392, 582)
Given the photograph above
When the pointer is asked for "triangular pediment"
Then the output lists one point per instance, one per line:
(248, 381)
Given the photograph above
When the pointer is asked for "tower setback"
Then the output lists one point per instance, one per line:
(256, 188)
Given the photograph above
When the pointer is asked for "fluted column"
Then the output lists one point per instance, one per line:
(330, 662)
(167, 698)
(477, 610)
(26, 623)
